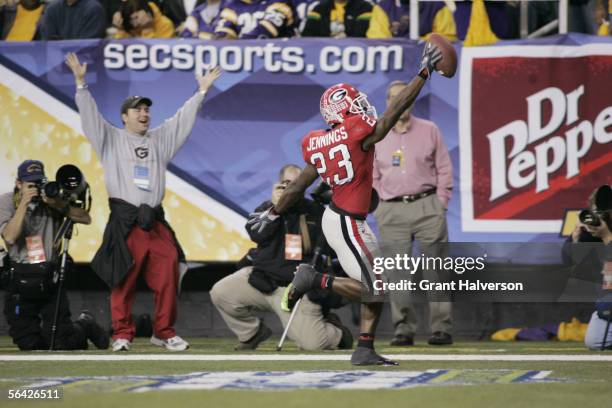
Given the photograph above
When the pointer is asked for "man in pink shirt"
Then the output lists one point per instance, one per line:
(413, 175)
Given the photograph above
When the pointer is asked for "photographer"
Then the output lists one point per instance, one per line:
(594, 260)
(260, 282)
(29, 222)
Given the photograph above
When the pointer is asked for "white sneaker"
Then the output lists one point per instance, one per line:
(173, 343)
(121, 345)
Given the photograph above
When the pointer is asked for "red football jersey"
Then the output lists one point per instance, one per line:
(342, 163)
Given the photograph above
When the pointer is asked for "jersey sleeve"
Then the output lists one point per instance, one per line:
(360, 126)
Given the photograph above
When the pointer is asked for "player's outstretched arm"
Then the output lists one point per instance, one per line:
(259, 221)
(405, 99)
(401, 102)
(295, 190)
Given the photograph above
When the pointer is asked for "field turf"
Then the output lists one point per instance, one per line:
(573, 383)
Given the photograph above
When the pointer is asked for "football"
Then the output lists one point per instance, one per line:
(447, 66)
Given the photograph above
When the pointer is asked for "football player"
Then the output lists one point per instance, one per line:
(343, 157)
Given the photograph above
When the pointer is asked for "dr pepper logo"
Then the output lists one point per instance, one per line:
(536, 134)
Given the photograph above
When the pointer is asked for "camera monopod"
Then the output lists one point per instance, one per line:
(65, 234)
(315, 257)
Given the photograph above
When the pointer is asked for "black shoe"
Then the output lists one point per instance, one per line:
(440, 339)
(367, 356)
(94, 332)
(401, 340)
(346, 341)
(263, 333)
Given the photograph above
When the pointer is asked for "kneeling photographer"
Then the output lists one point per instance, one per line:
(594, 261)
(31, 218)
(262, 276)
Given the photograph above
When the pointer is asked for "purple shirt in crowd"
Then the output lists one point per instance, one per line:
(413, 162)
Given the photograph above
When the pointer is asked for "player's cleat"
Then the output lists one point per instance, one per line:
(263, 333)
(290, 298)
(367, 356)
(346, 341)
(121, 345)
(173, 343)
(96, 334)
(440, 339)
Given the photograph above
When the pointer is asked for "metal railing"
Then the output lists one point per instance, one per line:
(561, 23)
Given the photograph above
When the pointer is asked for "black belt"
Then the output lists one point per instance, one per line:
(413, 197)
(340, 211)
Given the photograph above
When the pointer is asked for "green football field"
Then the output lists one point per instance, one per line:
(467, 374)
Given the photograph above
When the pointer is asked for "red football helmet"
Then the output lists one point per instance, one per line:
(343, 100)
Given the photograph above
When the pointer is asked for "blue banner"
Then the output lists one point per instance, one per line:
(265, 102)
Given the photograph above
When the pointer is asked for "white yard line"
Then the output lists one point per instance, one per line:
(302, 357)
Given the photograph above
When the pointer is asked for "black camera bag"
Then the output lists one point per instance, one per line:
(33, 281)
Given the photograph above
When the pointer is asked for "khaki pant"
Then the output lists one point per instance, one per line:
(398, 223)
(236, 300)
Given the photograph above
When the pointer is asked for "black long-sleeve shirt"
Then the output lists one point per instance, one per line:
(84, 19)
(270, 255)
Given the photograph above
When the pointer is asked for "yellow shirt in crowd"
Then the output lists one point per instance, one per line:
(337, 14)
(443, 24)
(162, 27)
(25, 24)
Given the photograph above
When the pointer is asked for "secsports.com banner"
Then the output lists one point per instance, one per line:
(252, 122)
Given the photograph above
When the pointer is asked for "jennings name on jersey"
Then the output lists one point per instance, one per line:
(342, 163)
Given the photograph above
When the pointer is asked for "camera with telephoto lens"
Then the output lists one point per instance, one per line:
(589, 217)
(40, 186)
(602, 204)
(69, 186)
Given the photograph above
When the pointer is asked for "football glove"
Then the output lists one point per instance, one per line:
(431, 55)
(258, 221)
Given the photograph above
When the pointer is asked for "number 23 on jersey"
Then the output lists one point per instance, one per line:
(336, 168)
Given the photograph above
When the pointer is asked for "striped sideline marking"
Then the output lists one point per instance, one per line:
(303, 357)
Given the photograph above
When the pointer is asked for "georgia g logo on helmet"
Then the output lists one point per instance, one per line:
(337, 96)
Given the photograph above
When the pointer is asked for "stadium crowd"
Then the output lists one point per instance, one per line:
(475, 22)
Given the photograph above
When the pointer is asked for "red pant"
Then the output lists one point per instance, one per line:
(156, 256)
